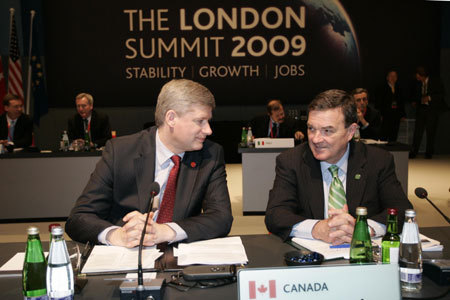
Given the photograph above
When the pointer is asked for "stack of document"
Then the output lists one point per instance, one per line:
(116, 258)
(229, 250)
(327, 250)
(428, 244)
(343, 251)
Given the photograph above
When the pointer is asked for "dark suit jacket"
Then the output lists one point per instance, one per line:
(435, 90)
(384, 99)
(100, 128)
(121, 182)
(372, 131)
(297, 192)
(23, 131)
(260, 127)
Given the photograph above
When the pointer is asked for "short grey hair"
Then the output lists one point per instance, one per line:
(360, 91)
(89, 97)
(179, 95)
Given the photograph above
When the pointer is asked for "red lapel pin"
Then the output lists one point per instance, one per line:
(193, 164)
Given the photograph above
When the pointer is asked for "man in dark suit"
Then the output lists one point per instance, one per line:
(87, 118)
(369, 119)
(276, 125)
(112, 207)
(429, 103)
(302, 202)
(390, 102)
(16, 128)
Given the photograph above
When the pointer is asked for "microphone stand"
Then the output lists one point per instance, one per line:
(423, 194)
(140, 287)
(131, 291)
(442, 214)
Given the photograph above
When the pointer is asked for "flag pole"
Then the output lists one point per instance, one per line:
(27, 107)
(11, 15)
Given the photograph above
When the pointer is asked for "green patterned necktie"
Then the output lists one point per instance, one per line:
(336, 197)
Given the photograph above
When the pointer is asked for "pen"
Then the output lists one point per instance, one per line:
(340, 246)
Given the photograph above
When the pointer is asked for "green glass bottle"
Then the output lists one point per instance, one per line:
(361, 246)
(87, 141)
(244, 137)
(390, 244)
(34, 268)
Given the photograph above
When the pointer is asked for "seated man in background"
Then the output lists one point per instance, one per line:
(276, 125)
(87, 118)
(194, 199)
(319, 184)
(16, 128)
(369, 119)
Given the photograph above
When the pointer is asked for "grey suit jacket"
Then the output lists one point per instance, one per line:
(121, 182)
(297, 192)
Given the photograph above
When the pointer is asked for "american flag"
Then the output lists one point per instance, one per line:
(15, 66)
(2, 86)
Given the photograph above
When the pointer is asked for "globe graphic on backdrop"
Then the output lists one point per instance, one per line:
(333, 51)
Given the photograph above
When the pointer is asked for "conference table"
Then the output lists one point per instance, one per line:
(263, 251)
(43, 185)
(258, 173)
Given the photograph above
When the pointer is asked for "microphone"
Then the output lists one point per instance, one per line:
(129, 290)
(422, 194)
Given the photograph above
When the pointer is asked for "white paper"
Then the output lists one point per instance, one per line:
(323, 248)
(371, 141)
(16, 262)
(116, 258)
(229, 250)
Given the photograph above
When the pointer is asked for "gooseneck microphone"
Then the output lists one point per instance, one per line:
(422, 194)
(154, 190)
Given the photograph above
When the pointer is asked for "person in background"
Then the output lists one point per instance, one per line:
(369, 119)
(16, 128)
(275, 124)
(428, 99)
(86, 118)
(194, 203)
(319, 184)
(390, 103)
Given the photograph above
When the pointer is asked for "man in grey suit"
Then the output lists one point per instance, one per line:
(113, 205)
(300, 202)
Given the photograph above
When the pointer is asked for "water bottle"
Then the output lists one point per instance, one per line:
(249, 137)
(65, 141)
(361, 245)
(391, 240)
(60, 280)
(87, 141)
(357, 135)
(34, 268)
(410, 261)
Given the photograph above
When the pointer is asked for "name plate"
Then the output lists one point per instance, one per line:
(274, 143)
(362, 282)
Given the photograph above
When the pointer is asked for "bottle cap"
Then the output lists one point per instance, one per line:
(410, 213)
(392, 211)
(57, 230)
(53, 225)
(33, 230)
(361, 211)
